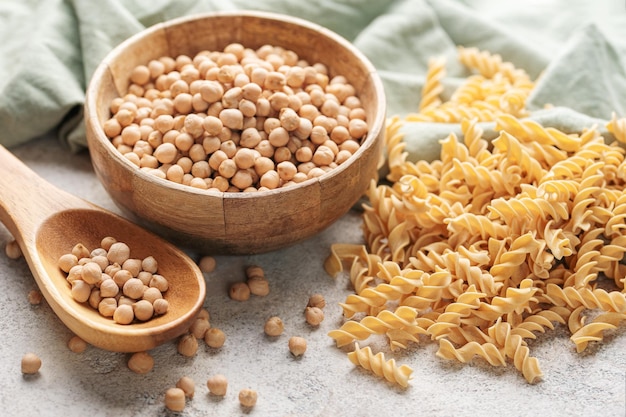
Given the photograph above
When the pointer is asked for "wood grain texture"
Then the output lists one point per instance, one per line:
(234, 223)
(47, 222)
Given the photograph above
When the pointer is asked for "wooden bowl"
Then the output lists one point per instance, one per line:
(234, 223)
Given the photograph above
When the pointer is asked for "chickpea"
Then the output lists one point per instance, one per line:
(107, 306)
(13, 250)
(274, 80)
(143, 310)
(258, 286)
(207, 264)
(250, 138)
(286, 170)
(244, 158)
(340, 134)
(314, 315)
(76, 344)
(317, 300)
(247, 397)
(35, 297)
(199, 328)
(323, 155)
(80, 251)
(159, 282)
(231, 118)
(278, 137)
(31, 363)
(165, 153)
(91, 273)
(140, 362)
(112, 128)
(251, 91)
(108, 288)
(160, 306)
(123, 314)
(204, 314)
(297, 345)
(239, 291)
(118, 253)
(149, 264)
(214, 338)
(121, 276)
(274, 326)
(80, 291)
(67, 261)
(175, 399)
(188, 345)
(217, 385)
(187, 385)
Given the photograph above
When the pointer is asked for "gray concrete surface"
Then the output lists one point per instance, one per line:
(321, 383)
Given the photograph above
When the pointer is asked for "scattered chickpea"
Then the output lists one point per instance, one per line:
(297, 345)
(175, 399)
(317, 300)
(188, 345)
(214, 338)
(258, 286)
(314, 315)
(13, 250)
(76, 344)
(274, 326)
(141, 362)
(35, 297)
(199, 328)
(248, 397)
(207, 264)
(31, 363)
(187, 385)
(239, 291)
(204, 314)
(217, 384)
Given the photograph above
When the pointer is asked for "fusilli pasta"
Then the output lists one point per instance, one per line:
(493, 243)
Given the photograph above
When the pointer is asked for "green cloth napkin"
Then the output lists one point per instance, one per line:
(49, 50)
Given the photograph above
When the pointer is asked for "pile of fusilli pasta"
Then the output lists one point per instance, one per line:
(493, 243)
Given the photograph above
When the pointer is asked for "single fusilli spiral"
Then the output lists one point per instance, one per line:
(365, 358)
(515, 348)
(382, 323)
(432, 88)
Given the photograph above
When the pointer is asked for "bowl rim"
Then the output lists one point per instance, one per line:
(374, 127)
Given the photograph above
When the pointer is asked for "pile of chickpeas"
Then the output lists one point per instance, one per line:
(237, 120)
(112, 282)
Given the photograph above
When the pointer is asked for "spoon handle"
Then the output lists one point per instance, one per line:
(26, 199)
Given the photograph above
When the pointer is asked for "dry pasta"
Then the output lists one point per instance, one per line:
(493, 243)
(379, 366)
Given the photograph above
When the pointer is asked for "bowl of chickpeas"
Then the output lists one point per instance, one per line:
(235, 133)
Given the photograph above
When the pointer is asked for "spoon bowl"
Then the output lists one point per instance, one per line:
(47, 222)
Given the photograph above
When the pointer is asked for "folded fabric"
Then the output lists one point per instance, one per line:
(50, 49)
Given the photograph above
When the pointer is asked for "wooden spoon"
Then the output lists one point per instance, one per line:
(47, 222)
